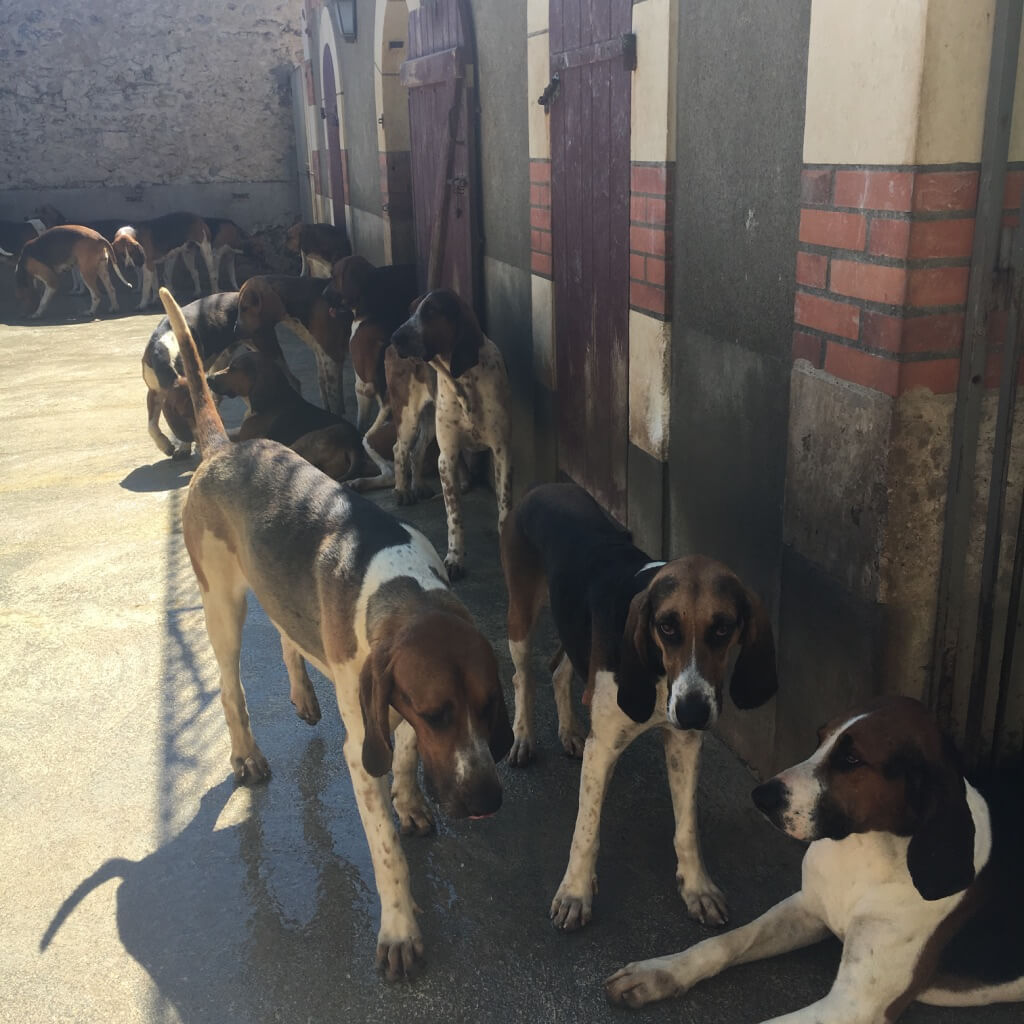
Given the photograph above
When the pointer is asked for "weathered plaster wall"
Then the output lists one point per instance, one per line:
(107, 104)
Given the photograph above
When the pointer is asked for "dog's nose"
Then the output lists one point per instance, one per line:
(770, 798)
(691, 712)
(485, 800)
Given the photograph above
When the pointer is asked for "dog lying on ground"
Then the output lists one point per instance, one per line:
(279, 413)
(362, 597)
(148, 243)
(61, 248)
(319, 246)
(652, 640)
(472, 402)
(266, 301)
(378, 300)
(907, 866)
(212, 323)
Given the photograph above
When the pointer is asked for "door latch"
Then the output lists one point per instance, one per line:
(549, 93)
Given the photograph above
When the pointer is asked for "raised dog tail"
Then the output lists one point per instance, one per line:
(209, 429)
(112, 257)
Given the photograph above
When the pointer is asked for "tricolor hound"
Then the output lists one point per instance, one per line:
(653, 641)
(363, 598)
(319, 246)
(69, 246)
(907, 866)
(472, 408)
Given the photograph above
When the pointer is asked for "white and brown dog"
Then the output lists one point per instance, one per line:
(907, 866)
(319, 246)
(67, 247)
(149, 243)
(362, 597)
(472, 408)
(653, 642)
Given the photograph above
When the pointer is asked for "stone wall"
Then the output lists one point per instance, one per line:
(109, 108)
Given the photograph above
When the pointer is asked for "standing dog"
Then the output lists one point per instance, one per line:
(362, 597)
(319, 246)
(227, 240)
(212, 323)
(62, 248)
(147, 243)
(472, 401)
(378, 300)
(907, 865)
(653, 642)
(299, 304)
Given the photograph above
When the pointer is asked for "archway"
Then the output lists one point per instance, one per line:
(333, 126)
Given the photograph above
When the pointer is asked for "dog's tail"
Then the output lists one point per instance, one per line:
(209, 429)
(112, 256)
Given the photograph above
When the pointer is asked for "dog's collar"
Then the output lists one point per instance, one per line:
(649, 565)
(37, 224)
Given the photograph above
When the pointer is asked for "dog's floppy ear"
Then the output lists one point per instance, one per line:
(755, 676)
(375, 685)
(640, 663)
(940, 856)
(468, 341)
(500, 729)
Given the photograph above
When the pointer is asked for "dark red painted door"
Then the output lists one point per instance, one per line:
(591, 53)
(442, 128)
(333, 139)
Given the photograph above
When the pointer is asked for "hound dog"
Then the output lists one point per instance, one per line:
(228, 240)
(298, 303)
(211, 320)
(146, 244)
(15, 233)
(276, 411)
(378, 300)
(61, 248)
(907, 865)
(653, 641)
(472, 401)
(362, 597)
(319, 246)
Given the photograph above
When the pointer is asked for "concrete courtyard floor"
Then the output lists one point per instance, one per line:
(139, 883)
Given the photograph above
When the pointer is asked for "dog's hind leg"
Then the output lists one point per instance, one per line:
(570, 732)
(303, 697)
(211, 268)
(328, 378)
(527, 590)
(406, 796)
(704, 900)
(164, 443)
(224, 607)
(188, 257)
(104, 276)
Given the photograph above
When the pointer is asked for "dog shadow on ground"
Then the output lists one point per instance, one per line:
(163, 475)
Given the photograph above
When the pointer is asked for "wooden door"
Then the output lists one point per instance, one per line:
(333, 122)
(442, 127)
(592, 54)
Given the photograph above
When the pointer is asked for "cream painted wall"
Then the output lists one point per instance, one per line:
(901, 83)
(653, 116)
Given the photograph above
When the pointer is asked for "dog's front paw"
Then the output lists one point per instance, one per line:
(399, 958)
(454, 567)
(522, 752)
(704, 901)
(642, 982)
(569, 912)
(181, 451)
(251, 767)
(414, 819)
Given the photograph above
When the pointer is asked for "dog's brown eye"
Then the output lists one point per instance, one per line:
(439, 719)
(723, 629)
(851, 760)
(668, 630)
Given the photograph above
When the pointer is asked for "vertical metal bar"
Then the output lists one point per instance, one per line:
(1013, 641)
(996, 504)
(967, 415)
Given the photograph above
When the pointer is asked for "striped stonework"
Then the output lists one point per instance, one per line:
(650, 238)
(882, 271)
(540, 217)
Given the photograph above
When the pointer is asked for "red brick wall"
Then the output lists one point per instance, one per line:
(882, 272)
(650, 238)
(540, 217)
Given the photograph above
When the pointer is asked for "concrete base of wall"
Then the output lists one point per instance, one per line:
(253, 205)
